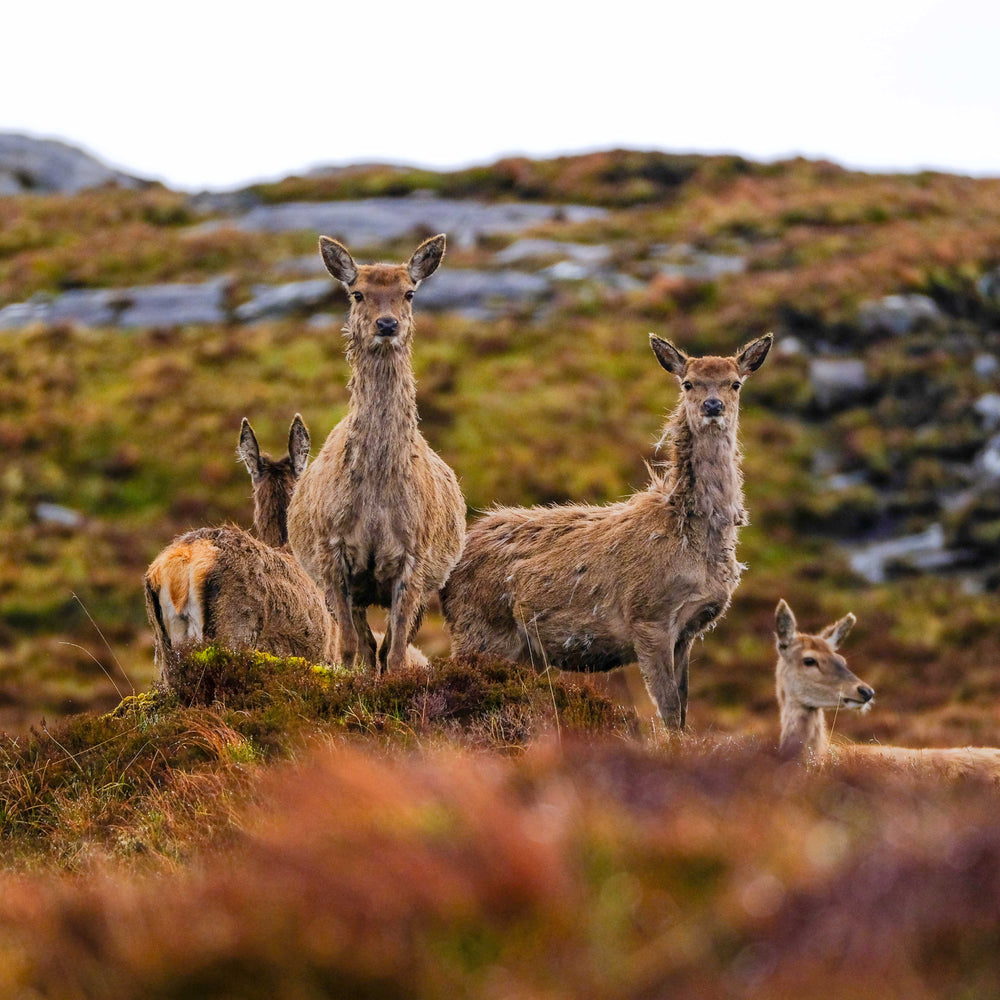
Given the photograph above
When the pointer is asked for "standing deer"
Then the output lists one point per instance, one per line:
(591, 588)
(224, 585)
(378, 517)
(812, 676)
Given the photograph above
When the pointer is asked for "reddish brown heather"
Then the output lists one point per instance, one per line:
(591, 588)
(811, 676)
(378, 518)
(223, 585)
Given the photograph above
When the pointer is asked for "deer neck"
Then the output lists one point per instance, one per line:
(803, 730)
(270, 518)
(383, 411)
(706, 481)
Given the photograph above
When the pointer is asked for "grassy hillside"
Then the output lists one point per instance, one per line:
(273, 831)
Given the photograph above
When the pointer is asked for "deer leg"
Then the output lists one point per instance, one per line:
(338, 600)
(366, 641)
(655, 652)
(696, 624)
(403, 620)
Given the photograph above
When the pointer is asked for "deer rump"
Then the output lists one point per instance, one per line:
(223, 585)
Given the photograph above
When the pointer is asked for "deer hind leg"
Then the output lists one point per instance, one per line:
(654, 648)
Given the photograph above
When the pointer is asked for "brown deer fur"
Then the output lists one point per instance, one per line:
(811, 676)
(224, 585)
(378, 518)
(591, 588)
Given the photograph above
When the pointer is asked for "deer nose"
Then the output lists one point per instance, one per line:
(865, 692)
(387, 326)
(712, 407)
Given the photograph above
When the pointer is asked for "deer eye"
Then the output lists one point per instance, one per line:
(408, 296)
(358, 297)
(736, 385)
(810, 661)
(686, 386)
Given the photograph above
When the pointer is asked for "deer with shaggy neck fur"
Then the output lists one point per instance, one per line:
(378, 518)
(224, 585)
(594, 587)
(812, 676)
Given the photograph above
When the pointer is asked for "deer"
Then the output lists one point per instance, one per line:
(590, 588)
(812, 677)
(227, 586)
(224, 585)
(378, 518)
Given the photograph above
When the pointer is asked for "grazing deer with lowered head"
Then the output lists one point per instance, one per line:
(812, 676)
(378, 517)
(594, 587)
(224, 585)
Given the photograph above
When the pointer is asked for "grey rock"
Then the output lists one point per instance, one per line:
(46, 166)
(925, 551)
(989, 285)
(586, 255)
(988, 409)
(837, 382)
(987, 462)
(468, 289)
(985, 365)
(281, 300)
(149, 305)
(898, 314)
(376, 220)
(567, 270)
(59, 516)
(684, 261)
(789, 346)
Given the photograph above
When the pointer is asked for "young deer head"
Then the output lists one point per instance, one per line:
(811, 676)
(273, 482)
(711, 385)
(381, 295)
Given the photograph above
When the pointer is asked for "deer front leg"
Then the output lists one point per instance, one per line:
(404, 618)
(366, 655)
(654, 648)
(338, 600)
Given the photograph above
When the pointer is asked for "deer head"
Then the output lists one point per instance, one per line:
(381, 295)
(711, 385)
(811, 674)
(273, 481)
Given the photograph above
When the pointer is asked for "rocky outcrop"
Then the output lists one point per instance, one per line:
(898, 314)
(150, 305)
(378, 220)
(44, 166)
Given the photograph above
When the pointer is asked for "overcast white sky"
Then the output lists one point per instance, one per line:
(204, 94)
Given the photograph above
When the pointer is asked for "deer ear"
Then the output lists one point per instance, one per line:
(338, 261)
(752, 356)
(836, 633)
(671, 358)
(248, 451)
(784, 624)
(298, 445)
(426, 258)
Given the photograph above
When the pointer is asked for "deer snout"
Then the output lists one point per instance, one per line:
(865, 693)
(387, 326)
(712, 407)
